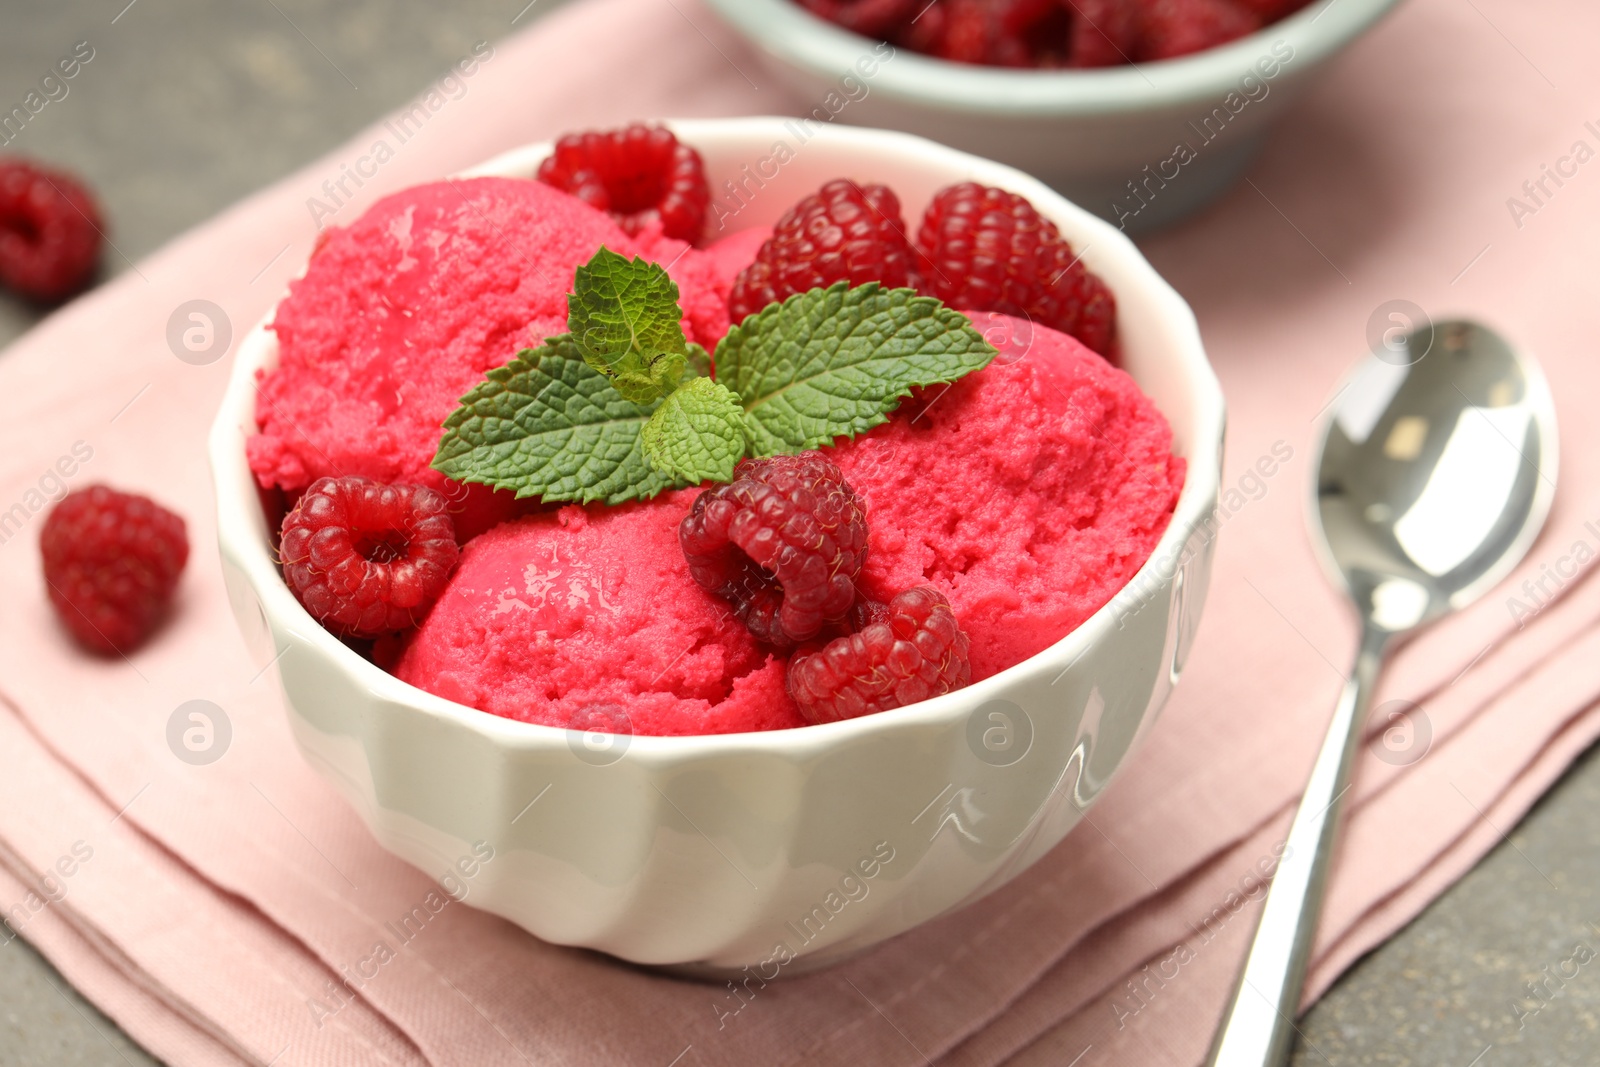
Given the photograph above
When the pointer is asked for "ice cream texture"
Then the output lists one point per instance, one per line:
(1028, 493)
(401, 313)
(568, 618)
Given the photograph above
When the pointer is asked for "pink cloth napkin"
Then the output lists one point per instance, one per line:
(231, 913)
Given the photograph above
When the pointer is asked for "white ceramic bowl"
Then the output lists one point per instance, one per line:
(710, 851)
(1088, 133)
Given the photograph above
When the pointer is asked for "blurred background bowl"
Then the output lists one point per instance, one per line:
(1140, 145)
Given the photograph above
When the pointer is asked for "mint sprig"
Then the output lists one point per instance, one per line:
(549, 425)
(624, 316)
(697, 434)
(834, 362)
(622, 406)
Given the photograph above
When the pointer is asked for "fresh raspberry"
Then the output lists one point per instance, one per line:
(1004, 33)
(913, 650)
(1271, 10)
(783, 542)
(639, 174)
(844, 232)
(987, 249)
(111, 564)
(972, 32)
(870, 18)
(1172, 28)
(1105, 33)
(368, 559)
(924, 32)
(863, 613)
(49, 232)
(1041, 28)
(1054, 33)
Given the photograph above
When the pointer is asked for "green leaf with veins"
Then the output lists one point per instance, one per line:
(696, 434)
(623, 407)
(834, 362)
(548, 424)
(624, 316)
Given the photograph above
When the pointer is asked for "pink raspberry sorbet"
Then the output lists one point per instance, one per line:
(568, 617)
(1027, 493)
(401, 313)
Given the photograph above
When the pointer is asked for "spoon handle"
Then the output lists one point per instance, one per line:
(1259, 1026)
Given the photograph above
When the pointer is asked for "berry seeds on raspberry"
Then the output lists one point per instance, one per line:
(367, 559)
(639, 174)
(784, 542)
(911, 650)
(842, 232)
(49, 232)
(987, 249)
(111, 564)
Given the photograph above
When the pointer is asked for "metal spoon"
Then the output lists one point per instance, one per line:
(1437, 469)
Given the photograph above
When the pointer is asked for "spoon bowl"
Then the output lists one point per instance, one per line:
(1436, 471)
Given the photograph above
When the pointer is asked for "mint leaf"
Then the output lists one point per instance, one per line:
(624, 316)
(696, 434)
(834, 362)
(549, 425)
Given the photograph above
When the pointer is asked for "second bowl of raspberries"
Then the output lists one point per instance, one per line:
(1141, 111)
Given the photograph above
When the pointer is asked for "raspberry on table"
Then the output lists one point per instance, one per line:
(987, 249)
(910, 650)
(638, 174)
(49, 232)
(784, 543)
(1173, 28)
(367, 559)
(111, 564)
(842, 232)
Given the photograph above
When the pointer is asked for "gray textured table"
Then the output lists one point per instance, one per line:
(189, 105)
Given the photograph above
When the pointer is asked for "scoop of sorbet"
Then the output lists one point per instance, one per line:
(404, 311)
